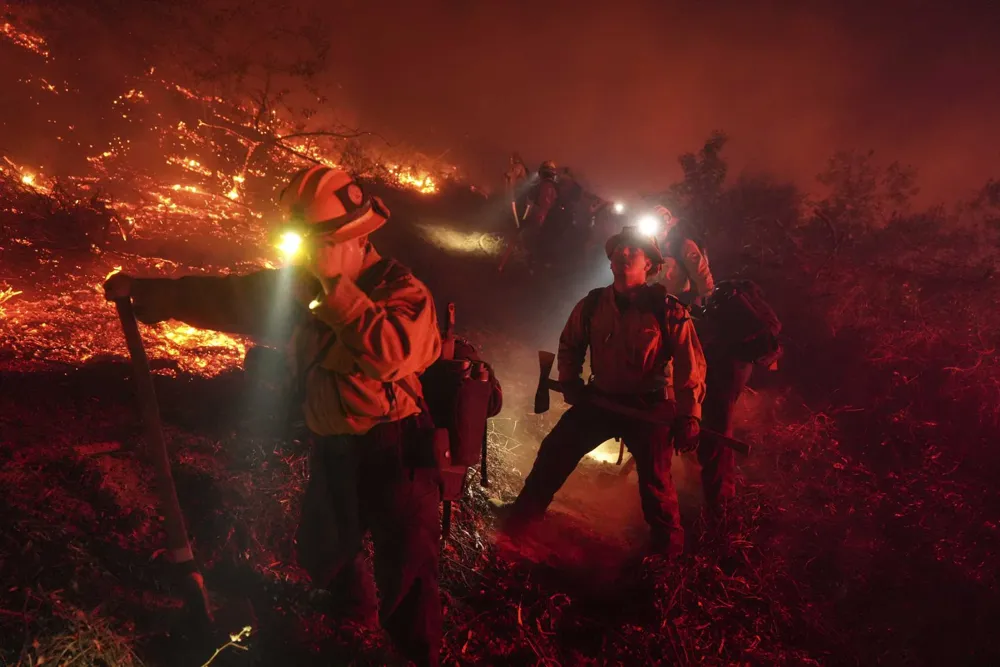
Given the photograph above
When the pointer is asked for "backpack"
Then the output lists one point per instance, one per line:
(742, 321)
(461, 393)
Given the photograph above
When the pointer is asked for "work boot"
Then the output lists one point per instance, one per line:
(351, 596)
(667, 546)
(511, 522)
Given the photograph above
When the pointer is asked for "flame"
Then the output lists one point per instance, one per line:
(421, 182)
(206, 184)
(181, 339)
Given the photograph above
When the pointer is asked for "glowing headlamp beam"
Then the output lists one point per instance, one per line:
(619, 207)
(290, 244)
(649, 225)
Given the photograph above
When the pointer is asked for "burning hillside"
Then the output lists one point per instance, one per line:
(178, 166)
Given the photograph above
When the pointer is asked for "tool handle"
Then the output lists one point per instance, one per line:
(178, 545)
(484, 473)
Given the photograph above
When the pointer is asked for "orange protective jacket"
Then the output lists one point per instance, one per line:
(631, 353)
(360, 355)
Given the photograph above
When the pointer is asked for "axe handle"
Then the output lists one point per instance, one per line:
(642, 415)
(181, 555)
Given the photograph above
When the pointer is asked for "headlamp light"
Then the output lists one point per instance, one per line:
(619, 207)
(290, 244)
(649, 225)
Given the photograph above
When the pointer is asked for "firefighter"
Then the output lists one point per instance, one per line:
(359, 330)
(634, 331)
(515, 176)
(739, 330)
(726, 378)
(541, 200)
(686, 273)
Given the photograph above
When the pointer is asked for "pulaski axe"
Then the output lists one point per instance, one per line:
(191, 583)
(546, 384)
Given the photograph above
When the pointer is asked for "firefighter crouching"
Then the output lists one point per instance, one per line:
(634, 331)
(359, 330)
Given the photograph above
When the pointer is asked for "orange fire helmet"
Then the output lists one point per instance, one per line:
(323, 200)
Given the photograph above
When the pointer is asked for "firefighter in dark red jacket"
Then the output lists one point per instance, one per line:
(643, 350)
(541, 200)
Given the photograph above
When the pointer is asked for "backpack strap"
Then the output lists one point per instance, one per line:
(589, 309)
(669, 309)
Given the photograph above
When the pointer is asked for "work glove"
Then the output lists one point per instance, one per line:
(118, 286)
(305, 287)
(685, 432)
(148, 305)
(574, 391)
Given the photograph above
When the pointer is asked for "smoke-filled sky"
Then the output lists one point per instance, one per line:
(619, 89)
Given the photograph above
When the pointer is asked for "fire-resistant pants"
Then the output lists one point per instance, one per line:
(385, 482)
(724, 382)
(580, 430)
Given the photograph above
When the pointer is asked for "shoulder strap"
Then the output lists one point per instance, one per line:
(668, 305)
(589, 309)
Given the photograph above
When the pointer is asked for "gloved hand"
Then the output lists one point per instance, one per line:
(306, 287)
(149, 307)
(118, 286)
(685, 432)
(574, 391)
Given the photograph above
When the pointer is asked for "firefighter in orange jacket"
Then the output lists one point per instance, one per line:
(634, 331)
(359, 330)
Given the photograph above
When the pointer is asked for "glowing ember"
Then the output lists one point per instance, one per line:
(112, 272)
(6, 295)
(28, 179)
(24, 40)
(181, 340)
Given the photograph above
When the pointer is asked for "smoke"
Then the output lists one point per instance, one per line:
(615, 90)
(619, 90)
